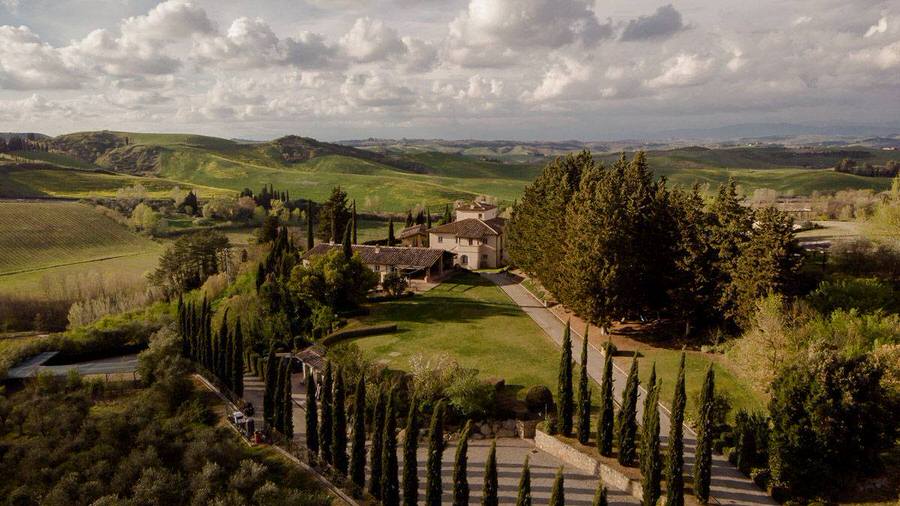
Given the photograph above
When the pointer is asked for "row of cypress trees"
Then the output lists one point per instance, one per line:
(623, 427)
(221, 353)
(278, 407)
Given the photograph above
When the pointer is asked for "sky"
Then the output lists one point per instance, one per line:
(453, 69)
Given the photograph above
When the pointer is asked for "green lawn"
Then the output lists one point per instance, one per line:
(472, 320)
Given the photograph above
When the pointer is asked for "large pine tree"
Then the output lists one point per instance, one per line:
(524, 496)
(675, 450)
(433, 488)
(565, 400)
(377, 445)
(606, 425)
(558, 493)
(584, 394)
(390, 484)
(358, 451)
(460, 468)
(651, 463)
(312, 415)
(327, 422)
(410, 482)
(626, 423)
(703, 452)
(339, 427)
(489, 494)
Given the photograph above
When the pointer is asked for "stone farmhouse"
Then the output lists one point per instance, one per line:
(414, 263)
(475, 237)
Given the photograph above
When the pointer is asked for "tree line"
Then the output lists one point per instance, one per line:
(219, 352)
(613, 242)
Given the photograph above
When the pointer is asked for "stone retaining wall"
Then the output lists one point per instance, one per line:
(611, 477)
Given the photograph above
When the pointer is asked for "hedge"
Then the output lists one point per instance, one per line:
(374, 330)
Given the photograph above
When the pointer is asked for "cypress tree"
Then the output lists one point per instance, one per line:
(278, 397)
(703, 453)
(237, 377)
(391, 239)
(310, 240)
(565, 400)
(651, 465)
(409, 218)
(627, 420)
(377, 446)
(222, 366)
(675, 453)
(347, 247)
(339, 428)
(427, 220)
(312, 415)
(584, 394)
(600, 496)
(605, 427)
(558, 493)
(260, 276)
(410, 461)
(358, 451)
(460, 465)
(435, 454)
(287, 401)
(353, 219)
(390, 485)
(269, 394)
(325, 427)
(448, 216)
(489, 494)
(524, 496)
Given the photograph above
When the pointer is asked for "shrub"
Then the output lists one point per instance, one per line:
(470, 396)
(395, 283)
(865, 295)
(539, 399)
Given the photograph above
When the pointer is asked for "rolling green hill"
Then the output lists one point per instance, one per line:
(391, 177)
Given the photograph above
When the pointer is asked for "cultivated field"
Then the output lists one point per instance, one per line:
(36, 236)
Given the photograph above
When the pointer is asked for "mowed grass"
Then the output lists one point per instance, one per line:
(471, 320)
(39, 235)
(41, 281)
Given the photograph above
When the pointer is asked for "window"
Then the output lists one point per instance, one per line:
(464, 260)
(470, 242)
(376, 268)
(480, 216)
(484, 257)
(440, 238)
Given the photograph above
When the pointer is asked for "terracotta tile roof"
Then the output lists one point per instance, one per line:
(471, 228)
(475, 206)
(412, 231)
(383, 255)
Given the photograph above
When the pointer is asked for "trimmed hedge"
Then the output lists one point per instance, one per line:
(374, 330)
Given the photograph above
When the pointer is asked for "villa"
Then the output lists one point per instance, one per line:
(475, 237)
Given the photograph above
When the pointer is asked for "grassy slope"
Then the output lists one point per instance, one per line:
(46, 234)
(474, 322)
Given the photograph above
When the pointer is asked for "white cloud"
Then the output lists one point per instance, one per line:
(375, 90)
(682, 70)
(880, 27)
(371, 40)
(27, 63)
(884, 57)
(168, 21)
(421, 55)
(560, 78)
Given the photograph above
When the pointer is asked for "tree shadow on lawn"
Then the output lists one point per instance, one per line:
(439, 309)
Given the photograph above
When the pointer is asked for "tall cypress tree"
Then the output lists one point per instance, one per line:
(600, 496)
(606, 425)
(353, 219)
(651, 465)
(675, 453)
(310, 239)
(339, 428)
(558, 493)
(703, 453)
(627, 420)
(238, 376)
(565, 400)
(390, 485)
(278, 398)
(269, 394)
(287, 422)
(221, 366)
(391, 240)
(584, 394)
(326, 426)
(346, 246)
(312, 415)
(489, 493)
(524, 496)
(410, 482)
(435, 454)
(377, 446)
(358, 450)
(460, 465)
